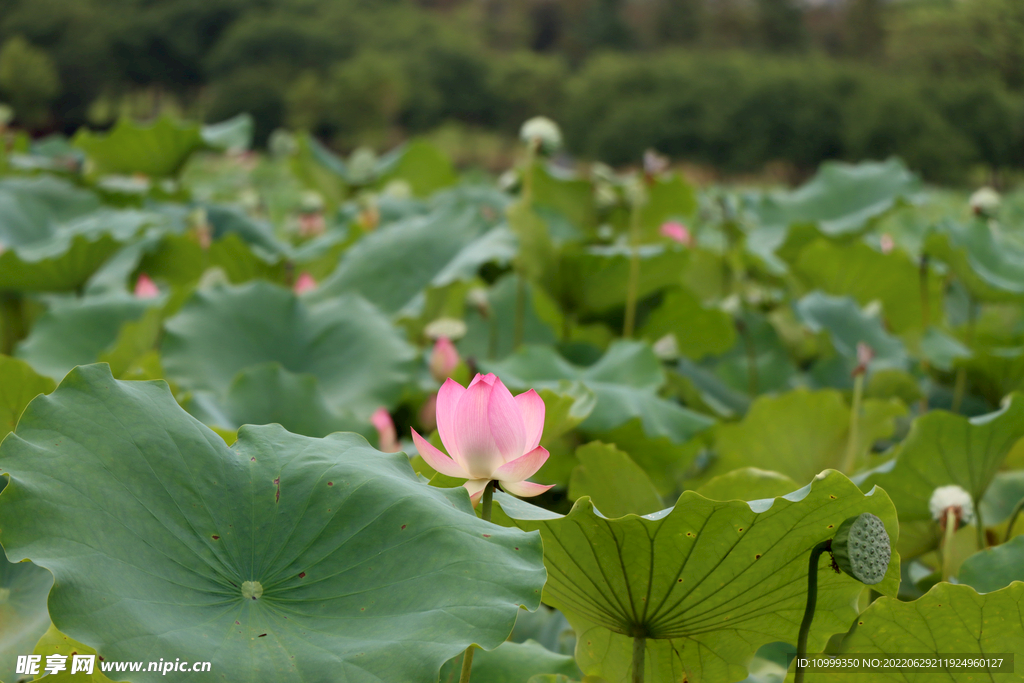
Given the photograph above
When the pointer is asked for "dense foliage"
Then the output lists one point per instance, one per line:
(729, 83)
(727, 379)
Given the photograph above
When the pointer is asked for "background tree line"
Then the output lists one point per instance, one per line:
(731, 83)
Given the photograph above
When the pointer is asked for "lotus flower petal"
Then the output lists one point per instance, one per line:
(525, 489)
(506, 422)
(475, 448)
(523, 467)
(436, 459)
(443, 359)
(476, 488)
(447, 402)
(145, 288)
(531, 407)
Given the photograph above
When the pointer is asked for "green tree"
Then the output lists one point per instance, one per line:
(29, 81)
(780, 24)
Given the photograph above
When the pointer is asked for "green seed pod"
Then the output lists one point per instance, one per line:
(861, 548)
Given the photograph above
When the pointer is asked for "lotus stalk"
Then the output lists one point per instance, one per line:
(864, 356)
(862, 549)
(1013, 519)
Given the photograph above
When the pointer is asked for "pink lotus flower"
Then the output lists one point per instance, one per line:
(886, 243)
(490, 436)
(677, 231)
(387, 435)
(443, 359)
(304, 284)
(145, 288)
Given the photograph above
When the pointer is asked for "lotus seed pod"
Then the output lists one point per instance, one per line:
(544, 132)
(862, 549)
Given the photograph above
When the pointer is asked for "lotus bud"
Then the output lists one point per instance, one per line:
(654, 164)
(677, 232)
(542, 132)
(886, 242)
(955, 498)
(387, 436)
(985, 202)
(362, 166)
(145, 288)
(862, 548)
(305, 283)
(865, 354)
(478, 299)
(443, 359)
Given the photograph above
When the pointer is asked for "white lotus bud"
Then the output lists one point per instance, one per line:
(955, 497)
(985, 202)
(542, 131)
(667, 348)
(311, 201)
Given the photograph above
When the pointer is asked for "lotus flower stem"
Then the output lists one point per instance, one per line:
(486, 502)
(467, 665)
(812, 601)
(947, 544)
(12, 322)
(639, 644)
(850, 461)
(979, 526)
(527, 199)
(485, 514)
(633, 284)
(1013, 518)
(960, 385)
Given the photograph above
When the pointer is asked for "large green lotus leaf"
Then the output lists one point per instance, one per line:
(706, 582)
(77, 331)
(269, 394)
(231, 135)
(669, 197)
(360, 361)
(395, 263)
(801, 433)
(994, 372)
(54, 642)
(664, 460)
(868, 275)
(53, 235)
(157, 150)
(699, 387)
(23, 616)
(32, 210)
(773, 369)
(848, 326)
(992, 269)
(425, 167)
(571, 197)
(19, 384)
(943, 448)
(841, 198)
(616, 485)
(748, 483)
(948, 620)
(994, 568)
(596, 278)
(512, 663)
(698, 330)
(282, 558)
(941, 350)
(493, 337)
(625, 380)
